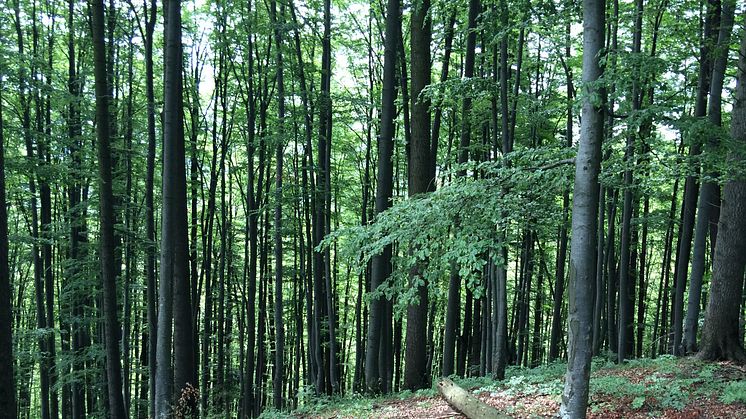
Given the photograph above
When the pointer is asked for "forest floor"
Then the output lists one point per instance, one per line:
(663, 388)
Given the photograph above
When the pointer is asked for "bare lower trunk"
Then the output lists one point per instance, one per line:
(720, 336)
(584, 219)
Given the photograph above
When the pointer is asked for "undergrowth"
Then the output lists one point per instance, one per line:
(650, 384)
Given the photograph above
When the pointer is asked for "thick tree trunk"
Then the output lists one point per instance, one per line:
(421, 180)
(721, 333)
(709, 192)
(175, 309)
(584, 218)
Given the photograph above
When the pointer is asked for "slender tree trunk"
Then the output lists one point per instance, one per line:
(377, 344)
(453, 307)
(691, 188)
(278, 380)
(248, 401)
(559, 285)
(106, 214)
(44, 374)
(626, 276)
(77, 222)
(150, 249)
(584, 218)
(498, 357)
(8, 405)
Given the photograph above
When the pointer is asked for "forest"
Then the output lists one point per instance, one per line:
(244, 208)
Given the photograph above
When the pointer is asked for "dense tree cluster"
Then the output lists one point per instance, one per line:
(217, 208)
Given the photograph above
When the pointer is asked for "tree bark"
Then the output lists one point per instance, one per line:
(278, 380)
(378, 345)
(421, 180)
(453, 307)
(584, 218)
(626, 267)
(466, 403)
(106, 215)
(721, 333)
(709, 192)
(175, 309)
(8, 405)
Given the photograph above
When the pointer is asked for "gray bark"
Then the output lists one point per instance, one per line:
(720, 336)
(584, 219)
(709, 192)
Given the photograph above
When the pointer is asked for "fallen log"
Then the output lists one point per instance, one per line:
(466, 403)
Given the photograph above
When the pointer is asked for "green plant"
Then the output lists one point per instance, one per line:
(734, 392)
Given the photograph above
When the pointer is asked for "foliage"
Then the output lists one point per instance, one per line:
(734, 392)
(460, 222)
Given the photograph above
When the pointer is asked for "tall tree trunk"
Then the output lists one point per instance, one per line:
(453, 307)
(8, 407)
(421, 180)
(23, 83)
(709, 191)
(77, 222)
(584, 218)
(106, 215)
(175, 309)
(691, 188)
(378, 345)
(498, 357)
(559, 285)
(248, 401)
(150, 249)
(721, 333)
(278, 380)
(626, 268)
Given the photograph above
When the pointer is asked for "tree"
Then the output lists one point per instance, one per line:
(691, 191)
(454, 284)
(709, 191)
(8, 405)
(107, 242)
(278, 381)
(422, 179)
(721, 339)
(584, 219)
(174, 303)
(378, 345)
